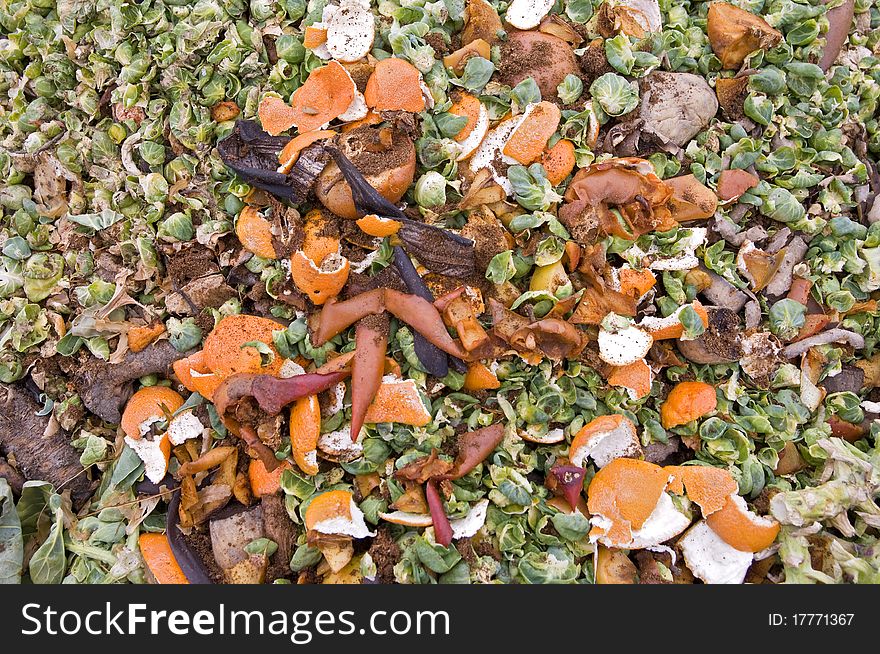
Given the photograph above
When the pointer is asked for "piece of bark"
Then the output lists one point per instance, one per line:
(781, 280)
(42, 454)
(106, 387)
(278, 527)
(209, 291)
(13, 477)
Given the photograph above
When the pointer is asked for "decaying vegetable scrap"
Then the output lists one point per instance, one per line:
(502, 292)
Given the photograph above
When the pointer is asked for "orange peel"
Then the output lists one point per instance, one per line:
(395, 85)
(480, 377)
(378, 226)
(604, 439)
(636, 378)
(156, 552)
(326, 94)
(264, 482)
(276, 115)
(622, 496)
(707, 486)
(334, 512)
(688, 401)
(224, 353)
(305, 430)
(741, 528)
(290, 153)
(150, 402)
(255, 233)
(319, 282)
(398, 401)
(528, 140)
(559, 161)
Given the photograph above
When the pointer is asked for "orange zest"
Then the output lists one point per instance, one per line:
(149, 402)
(264, 482)
(157, 554)
(707, 486)
(377, 226)
(314, 36)
(395, 86)
(290, 153)
(636, 377)
(255, 233)
(399, 402)
(688, 401)
(305, 430)
(480, 378)
(528, 141)
(224, 353)
(741, 528)
(559, 161)
(325, 95)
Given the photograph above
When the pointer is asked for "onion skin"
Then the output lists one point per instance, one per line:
(193, 567)
(367, 368)
(442, 528)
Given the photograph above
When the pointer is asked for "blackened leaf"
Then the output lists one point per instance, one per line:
(432, 358)
(192, 565)
(366, 198)
(253, 154)
(438, 250)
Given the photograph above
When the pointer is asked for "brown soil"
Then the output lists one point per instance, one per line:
(378, 323)
(385, 554)
(593, 62)
(437, 42)
(368, 148)
(190, 263)
(200, 543)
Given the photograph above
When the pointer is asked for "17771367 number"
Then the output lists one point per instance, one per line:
(811, 619)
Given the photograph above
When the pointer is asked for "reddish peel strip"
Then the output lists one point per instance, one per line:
(442, 528)
(367, 367)
(273, 394)
(264, 454)
(473, 448)
(335, 316)
(418, 313)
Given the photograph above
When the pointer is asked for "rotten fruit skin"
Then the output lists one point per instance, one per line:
(442, 528)
(367, 368)
(735, 33)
